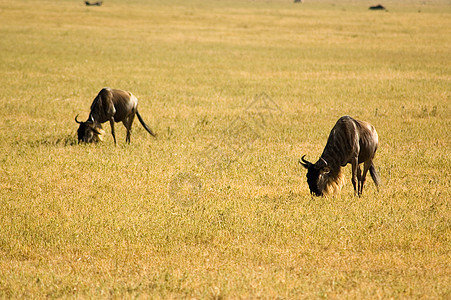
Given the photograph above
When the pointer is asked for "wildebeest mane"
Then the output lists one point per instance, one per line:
(334, 182)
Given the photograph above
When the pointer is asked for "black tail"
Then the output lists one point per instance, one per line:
(375, 176)
(144, 124)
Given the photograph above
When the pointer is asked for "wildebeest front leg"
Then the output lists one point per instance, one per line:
(355, 167)
(112, 129)
(359, 179)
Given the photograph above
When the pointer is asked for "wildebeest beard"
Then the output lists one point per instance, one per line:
(322, 178)
(314, 181)
(323, 181)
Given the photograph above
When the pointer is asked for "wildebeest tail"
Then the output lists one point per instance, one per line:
(375, 176)
(144, 124)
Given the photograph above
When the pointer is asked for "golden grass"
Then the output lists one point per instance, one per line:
(217, 206)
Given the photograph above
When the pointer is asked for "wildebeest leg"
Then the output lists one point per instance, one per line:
(112, 129)
(359, 179)
(366, 167)
(355, 166)
(128, 124)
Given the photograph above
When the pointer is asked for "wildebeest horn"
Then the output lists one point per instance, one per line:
(91, 119)
(305, 162)
(77, 120)
(324, 161)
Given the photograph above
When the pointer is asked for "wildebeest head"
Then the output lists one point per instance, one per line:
(89, 131)
(317, 175)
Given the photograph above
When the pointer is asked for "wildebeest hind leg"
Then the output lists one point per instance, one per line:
(366, 167)
(128, 125)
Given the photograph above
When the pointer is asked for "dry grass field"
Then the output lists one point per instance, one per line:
(217, 205)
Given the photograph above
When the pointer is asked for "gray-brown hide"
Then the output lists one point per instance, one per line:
(113, 106)
(350, 142)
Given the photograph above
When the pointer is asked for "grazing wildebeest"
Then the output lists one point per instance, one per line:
(350, 142)
(377, 7)
(114, 106)
(98, 3)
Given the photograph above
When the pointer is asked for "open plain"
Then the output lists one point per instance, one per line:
(217, 205)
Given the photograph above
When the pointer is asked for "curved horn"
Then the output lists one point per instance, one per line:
(77, 120)
(324, 161)
(305, 163)
(91, 119)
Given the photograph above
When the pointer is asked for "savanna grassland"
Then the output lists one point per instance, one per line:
(217, 205)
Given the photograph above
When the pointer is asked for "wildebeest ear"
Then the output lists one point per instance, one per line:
(325, 170)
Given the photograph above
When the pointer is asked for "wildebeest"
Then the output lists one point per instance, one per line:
(98, 3)
(377, 7)
(350, 142)
(114, 106)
